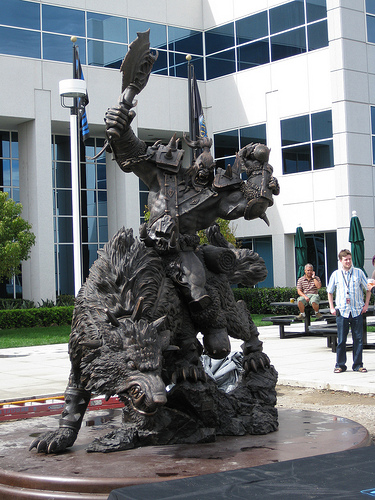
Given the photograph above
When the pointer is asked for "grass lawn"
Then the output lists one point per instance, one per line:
(24, 337)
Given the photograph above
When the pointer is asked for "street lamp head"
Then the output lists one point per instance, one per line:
(71, 89)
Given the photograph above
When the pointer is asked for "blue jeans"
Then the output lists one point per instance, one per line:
(357, 334)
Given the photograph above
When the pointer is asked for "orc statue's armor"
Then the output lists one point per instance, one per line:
(138, 316)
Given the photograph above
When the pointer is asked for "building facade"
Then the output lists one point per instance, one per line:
(296, 75)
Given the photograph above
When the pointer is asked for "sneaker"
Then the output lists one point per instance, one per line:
(318, 315)
(301, 317)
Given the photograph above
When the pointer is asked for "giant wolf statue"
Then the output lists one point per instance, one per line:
(148, 302)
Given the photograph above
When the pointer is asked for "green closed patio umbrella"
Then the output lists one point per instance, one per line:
(301, 251)
(357, 239)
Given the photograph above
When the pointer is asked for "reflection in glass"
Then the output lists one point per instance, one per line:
(15, 173)
(253, 54)
(103, 229)
(370, 6)
(65, 229)
(184, 40)
(220, 64)
(256, 133)
(317, 35)
(89, 230)
(59, 48)
(88, 177)
(219, 38)
(64, 202)
(288, 44)
(160, 66)
(10, 14)
(65, 281)
(5, 173)
(88, 203)
(105, 54)
(295, 130)
(252, 28)
(321, 125)
(102, 180)
(158, 32)
(226, 143)
(373, 120)
(287, 16)
(63, 175)
(323, 154)
(61, 148)
(106, 27)
(315, 9)
(178, 66)
(5, 144)
(62, 20)
(18, 42)
(370, 29)
(102, 203)
(296, 159)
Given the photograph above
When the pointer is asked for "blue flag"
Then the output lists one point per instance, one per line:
(82, 101)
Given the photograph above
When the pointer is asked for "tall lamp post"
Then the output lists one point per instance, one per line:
(70, 93)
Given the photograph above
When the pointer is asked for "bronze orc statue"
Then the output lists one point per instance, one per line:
(138, 318)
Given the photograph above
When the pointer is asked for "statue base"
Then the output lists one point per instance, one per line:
(77, 474)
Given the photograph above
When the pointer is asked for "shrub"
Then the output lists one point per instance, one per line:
(41, 316)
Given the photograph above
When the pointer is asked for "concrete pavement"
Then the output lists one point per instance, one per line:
(40, 371)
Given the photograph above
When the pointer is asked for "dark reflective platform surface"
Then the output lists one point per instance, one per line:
(77, 474)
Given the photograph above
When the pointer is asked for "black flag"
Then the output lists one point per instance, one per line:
(82, 101)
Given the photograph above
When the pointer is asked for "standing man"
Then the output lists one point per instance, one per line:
(349, 283)
(307, 288)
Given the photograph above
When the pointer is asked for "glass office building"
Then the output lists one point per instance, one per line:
(296, 75)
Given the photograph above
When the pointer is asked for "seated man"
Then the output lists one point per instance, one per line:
(307, 288)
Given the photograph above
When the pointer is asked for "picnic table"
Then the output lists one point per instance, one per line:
(283, 321)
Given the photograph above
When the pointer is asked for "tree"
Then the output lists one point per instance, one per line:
(226, 230)
(16, 238)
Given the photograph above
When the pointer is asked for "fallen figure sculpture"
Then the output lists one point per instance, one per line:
(138, 318)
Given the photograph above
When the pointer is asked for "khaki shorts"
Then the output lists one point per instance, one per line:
(314, 298)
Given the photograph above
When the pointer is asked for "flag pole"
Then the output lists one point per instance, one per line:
(75, 156)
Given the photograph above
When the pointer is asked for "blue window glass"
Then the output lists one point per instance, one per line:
(372, 120)
(161, 64)
(105, 27)
(295, 130)
(5, 172)
(178, 65)
(253, 54)
(62, 20)
(10, 14)
(65, 230)
(287, 16)
(256, 133)
(88, 176)
(370, 6)
(64, 202)
(219, 38)
(16, 195)
(220, 64)
(103, 229)
(158, 33)
(63, 175)
(5, 144)
(187, 41)
(315, 9)
(323, 154)
(59, 48)
(61, 148)
(370, 29)
(317, 35)
(321, 125)
(288, 44)
(64, 261)
(89, 230)
(88, 203)
(105, 54)
(226, 143)
(90, 254)
(102, 204)
(373, 150)
(18, 42)
(251, 28)
(102, 180)
(14, 144)
(15, 173)
(296, 159)
(224, 162)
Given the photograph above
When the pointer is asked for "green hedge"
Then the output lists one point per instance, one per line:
(41, 316)
(258, 300)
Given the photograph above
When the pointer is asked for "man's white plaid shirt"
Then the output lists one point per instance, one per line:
(355, 280)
